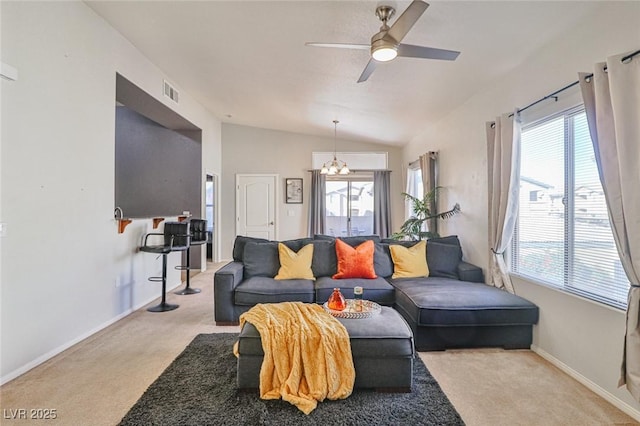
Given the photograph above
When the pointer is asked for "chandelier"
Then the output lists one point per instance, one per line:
(335, 166)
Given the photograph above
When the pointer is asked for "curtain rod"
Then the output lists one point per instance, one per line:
(568, 86)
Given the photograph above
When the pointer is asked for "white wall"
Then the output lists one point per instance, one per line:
(62, 256)
(253, 150)
(575, 333)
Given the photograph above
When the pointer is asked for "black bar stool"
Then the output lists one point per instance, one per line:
(198, 231)
(176, 238)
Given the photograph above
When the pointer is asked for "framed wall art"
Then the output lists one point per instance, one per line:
(293, 190)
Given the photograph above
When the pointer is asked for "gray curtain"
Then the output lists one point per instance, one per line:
(613, 106)
(503, 160)
(428, 167)
(317, 204)
(382, 203)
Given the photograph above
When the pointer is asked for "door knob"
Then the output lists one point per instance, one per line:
(271, 223)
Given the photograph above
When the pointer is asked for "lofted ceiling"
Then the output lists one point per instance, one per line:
(246, 61)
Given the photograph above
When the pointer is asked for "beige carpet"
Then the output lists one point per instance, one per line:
(98, 380)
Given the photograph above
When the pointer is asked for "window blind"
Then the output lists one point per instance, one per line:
(563, 237)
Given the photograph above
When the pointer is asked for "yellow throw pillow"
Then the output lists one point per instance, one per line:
(409, 262)
(295, 265)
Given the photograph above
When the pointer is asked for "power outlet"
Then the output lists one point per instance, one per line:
(3, 229)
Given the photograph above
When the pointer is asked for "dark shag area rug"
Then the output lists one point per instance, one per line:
(199, 388)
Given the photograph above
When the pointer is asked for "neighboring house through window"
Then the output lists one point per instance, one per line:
(349, 205)
(563, 237)
(415, 186)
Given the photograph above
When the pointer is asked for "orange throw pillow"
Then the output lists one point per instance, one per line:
(355, 262)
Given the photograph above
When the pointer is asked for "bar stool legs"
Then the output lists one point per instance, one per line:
(163, 306)
(198, 232)
(187, 289)
(176, 238)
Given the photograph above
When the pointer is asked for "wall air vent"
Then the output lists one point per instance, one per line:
(170, 91)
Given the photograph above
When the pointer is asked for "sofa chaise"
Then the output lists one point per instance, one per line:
(449, 308)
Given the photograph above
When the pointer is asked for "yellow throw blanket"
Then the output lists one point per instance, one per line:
(307, 353)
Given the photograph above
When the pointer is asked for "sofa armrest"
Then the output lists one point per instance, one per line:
(469, 272)
(225, 280)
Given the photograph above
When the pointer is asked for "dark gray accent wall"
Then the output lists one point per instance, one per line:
(158, 170)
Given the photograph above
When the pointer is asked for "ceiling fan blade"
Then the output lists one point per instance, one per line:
(368, 70)
(340, 45)
(407, 20)
(411, 51)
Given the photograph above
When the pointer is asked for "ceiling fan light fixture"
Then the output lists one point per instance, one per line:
(384, 54)
(387, 44)
(383, 47)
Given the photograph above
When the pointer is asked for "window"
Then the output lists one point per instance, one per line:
(349, 205)
(414, 186)
(562, 236)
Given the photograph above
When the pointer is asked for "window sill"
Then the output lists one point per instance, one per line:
(564, 291)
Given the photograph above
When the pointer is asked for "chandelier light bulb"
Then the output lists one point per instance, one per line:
(335, 166)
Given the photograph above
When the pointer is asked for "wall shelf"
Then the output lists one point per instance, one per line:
(156, 221)
(122, 223)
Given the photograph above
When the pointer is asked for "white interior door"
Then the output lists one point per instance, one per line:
(256, 206)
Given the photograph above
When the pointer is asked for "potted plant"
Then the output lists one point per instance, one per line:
(414, 227)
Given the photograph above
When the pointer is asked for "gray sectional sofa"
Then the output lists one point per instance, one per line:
(451, 308)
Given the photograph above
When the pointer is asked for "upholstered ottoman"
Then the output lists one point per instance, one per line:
(381, 346)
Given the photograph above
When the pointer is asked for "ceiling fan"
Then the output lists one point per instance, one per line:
(386, 44)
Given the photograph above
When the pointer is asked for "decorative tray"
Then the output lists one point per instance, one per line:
(369, 309)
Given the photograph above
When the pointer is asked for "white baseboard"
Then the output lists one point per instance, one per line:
(20, 371)
(47, 356)
(608, 396)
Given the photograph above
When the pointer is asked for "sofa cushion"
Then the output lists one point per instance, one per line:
(295, 265)
(356, 241)
(377, 289)
(261, 259)
(443, 255)
(409, 262)
(352, 241)
(267, 290)
(437, 301)
(240, 242)
(403, 243)
(443, 259)
(382, 262)
(325, 262)
(355, 262)
(297, 244)
(449, 239)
